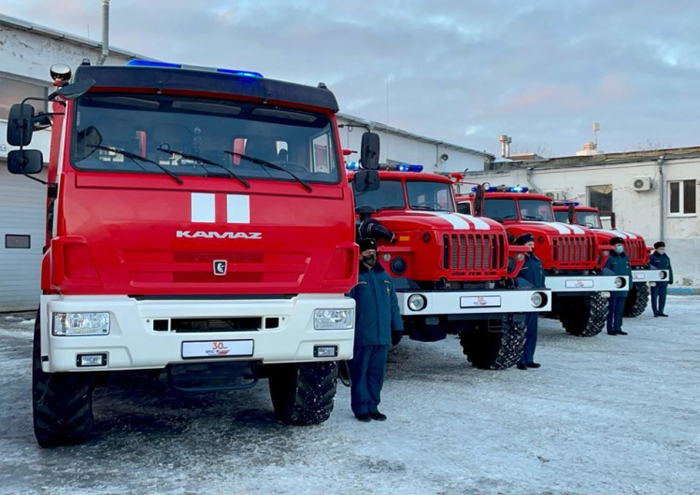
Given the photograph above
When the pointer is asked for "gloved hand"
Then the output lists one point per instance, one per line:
(396, 337)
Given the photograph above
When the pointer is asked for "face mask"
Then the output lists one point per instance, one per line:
(661, 251)
(370, 259)
(619, 249)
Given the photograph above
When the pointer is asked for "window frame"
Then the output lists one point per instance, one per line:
(589, 188)
(33, 82)
(681, 198)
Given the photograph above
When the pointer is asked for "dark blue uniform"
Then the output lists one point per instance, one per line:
(658, 292)
(618, 264)
(376, 316)
(531, 276)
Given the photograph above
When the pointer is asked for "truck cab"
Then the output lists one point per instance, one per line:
(197, 219)
(453, 273)
(573, 213)
(571, 255)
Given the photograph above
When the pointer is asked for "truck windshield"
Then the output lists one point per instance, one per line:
(431, 196)
(217, 132)
(536, 209)
(388, 196)
(589, 219)
(561, 216)
(500, 209)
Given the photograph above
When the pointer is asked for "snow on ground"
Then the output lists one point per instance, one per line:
(603, 415)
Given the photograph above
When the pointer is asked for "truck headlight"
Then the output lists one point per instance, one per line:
(334, 319)
(417, 302)
(80, 324)
(619, 282)
(538, 299)
(663, 275)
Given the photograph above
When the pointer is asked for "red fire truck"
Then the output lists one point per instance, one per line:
(636, 248)
(571, 255)
(200, 227)
(453, 273)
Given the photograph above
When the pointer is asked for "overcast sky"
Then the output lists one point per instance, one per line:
(541, 71)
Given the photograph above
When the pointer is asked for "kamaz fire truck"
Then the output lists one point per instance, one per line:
(571, 255)
(452, 273)
(199, 227)
(573, 213)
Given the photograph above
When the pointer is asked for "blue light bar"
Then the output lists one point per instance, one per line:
(167, 65)
(491, 189)
(519, 189)
(352, 166)
(151, 63)
(406, 167)
(569, 203)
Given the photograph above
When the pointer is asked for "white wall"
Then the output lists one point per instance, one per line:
(639, 212)
(407, 150)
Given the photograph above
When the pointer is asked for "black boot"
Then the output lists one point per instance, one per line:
(533, 365)
(522, 366)
(363, 417)
(377, 416)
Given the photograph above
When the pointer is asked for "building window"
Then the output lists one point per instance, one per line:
(14, 91)
(682, 197)
(601, 197)
(17, 241)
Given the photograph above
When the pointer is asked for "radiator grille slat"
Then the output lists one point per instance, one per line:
(573, 249)
(479, 252)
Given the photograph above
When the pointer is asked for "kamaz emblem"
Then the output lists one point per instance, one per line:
(481, 301)
(219, 267)
(218, 235)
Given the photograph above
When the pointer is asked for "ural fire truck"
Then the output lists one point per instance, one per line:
(635, 246)
(571, 255)
(199, 226)
(452, 273)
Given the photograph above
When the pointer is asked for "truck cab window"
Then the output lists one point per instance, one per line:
(500, 209)
(536, 209)
(388, 196)
(561, 216)
(430, 196)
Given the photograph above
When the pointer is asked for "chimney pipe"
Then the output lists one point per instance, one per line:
(505, 145)
(105, 33)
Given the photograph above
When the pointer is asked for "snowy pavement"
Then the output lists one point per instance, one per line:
(604, 415)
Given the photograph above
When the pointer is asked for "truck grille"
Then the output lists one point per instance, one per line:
(636, 250)
(474, 252)
(572, 250)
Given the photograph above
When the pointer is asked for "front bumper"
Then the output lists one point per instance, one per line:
(133, 343)
(640, 276)
(580, 284)
(450, 302)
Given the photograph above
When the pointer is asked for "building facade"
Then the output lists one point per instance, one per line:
(653, 193)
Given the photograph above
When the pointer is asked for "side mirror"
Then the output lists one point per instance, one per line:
(366, 180)
(571, 214)
(369, 154)
(20, 125)
(479, 201)
(75, 90)
(23, 162)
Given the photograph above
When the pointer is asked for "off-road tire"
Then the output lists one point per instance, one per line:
(637, 300)
(588, 318)
(303, 394)
(494, 350)
(62, 402)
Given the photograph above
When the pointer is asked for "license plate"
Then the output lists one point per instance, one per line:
(579, 284)
(217, 349)
(480, 301)
(639, 276)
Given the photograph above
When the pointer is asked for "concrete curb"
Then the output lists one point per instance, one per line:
(683, 291)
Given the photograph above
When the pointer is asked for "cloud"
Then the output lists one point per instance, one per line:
(540, 70)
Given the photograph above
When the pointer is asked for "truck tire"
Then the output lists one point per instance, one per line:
(637, 300)
(494, 350)
(62, 402)
(303, 394)
(586, 318)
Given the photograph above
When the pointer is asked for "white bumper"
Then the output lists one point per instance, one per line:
(650, 276)
(476, 302)
(132, 342)
(587, 283)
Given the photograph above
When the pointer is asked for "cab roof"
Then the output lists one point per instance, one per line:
(419, 176)
(577, 208)
(155, 79)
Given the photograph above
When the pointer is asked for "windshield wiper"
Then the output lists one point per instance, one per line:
(265, 163)
(134, 157)
(532, 217)
(206, 161)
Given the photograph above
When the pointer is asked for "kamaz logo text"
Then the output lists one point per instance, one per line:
(188, 234)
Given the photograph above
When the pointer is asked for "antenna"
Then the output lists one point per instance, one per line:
(596, 128)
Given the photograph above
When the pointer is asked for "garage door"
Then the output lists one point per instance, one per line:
(22, 217)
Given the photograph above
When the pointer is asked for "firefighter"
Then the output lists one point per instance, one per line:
(531, 275)
(377, 325)
(660, 261)
(619, 264)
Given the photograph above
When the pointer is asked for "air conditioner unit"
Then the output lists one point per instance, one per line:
(641, 183)
(555, 194)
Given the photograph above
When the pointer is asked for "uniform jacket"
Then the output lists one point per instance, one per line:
(619, 264)
(377, 308)
(662, 262)
(532, 272)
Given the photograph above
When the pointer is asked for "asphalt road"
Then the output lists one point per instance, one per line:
(603, 415)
